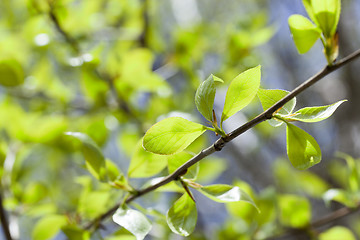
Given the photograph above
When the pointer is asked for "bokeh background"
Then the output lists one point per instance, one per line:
(113, 68)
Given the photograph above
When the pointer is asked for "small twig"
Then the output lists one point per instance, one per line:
(220, 143)
(4, 221)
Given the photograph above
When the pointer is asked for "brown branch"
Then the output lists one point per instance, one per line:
(330, 218)
(4, 221)
(121, 103)
(220, 143)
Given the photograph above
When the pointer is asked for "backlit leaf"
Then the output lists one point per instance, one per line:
(171, 135)
(226, 193)
(304, 32)
(302, 149)
(315, 114)
(327, 14)
(182, 216)
(241, 91)
(133, 221)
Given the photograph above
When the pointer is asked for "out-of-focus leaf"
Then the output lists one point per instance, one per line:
(11, 73)
(336, 233)
(241, 91)
(75, 233)
(210, 169)
(176, 160)
(182, 216)
(294, 211)
(268, 97)
(171, 135)
(341, 196)
(302, 149)
(133, 221)
(47, 227)
(304, 32)
(145, 164)
(95, 161)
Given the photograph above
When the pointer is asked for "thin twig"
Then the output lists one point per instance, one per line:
(220, 143)
(4, 221)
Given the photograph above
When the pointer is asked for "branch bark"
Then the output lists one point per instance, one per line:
(4, 221)
(221, 142)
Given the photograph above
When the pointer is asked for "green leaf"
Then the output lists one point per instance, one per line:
(95, 161)
(145, 164)
(304, 32)
(182, 216)
(176, 160)
(133, 221)
(294, 211)
(226, 193)
(337, 232)
(353, 175)
(11, 73)
(315, 114)
(327, 14)
(268, 97)
(73, 232)
(204, 97)
(241, 91)
(171, 135)
(309, 10)
(302, 149)
(48, 227)
(341, 196)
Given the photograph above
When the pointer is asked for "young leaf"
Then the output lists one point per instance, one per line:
(241, 91)
(337, 232)
(268, 97)
(309, 10)
(133, 221)
(315, 114)
(302, 149)
(304, 33)
(204, 97)
(327, 14)
(171, 135)
(182, 216)
(95, 161)
(176, 160)
(145, 164)
(226, 193)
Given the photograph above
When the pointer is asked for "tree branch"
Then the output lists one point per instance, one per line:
(3, 219)
(221, 142)
(334, 216)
